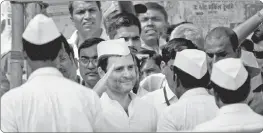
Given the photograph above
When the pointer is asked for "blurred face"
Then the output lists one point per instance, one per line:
(86, 16)
(131, 34)
(123, 77)
(150, 68)
(88, 65)
(152, 23)
(217, 51)
(167, 71)
(67, 66)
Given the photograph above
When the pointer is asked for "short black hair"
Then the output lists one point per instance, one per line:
(68, 48)
(158, 7)
(224, 32)
(176, 45)
(247, 45)
(190, 82)
(48, 51)
(157, 58)
(119, 20)
(229, 96)
(70, 6)
(90, 42)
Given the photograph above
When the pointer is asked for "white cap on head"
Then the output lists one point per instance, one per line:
(41, 30)
(229, 73)
(192, 61)
(113, 47)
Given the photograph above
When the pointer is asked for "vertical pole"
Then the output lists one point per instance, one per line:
(16, 53)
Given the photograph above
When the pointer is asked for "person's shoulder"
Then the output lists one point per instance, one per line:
(206, 126)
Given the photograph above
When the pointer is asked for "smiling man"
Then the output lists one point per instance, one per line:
(122, 110)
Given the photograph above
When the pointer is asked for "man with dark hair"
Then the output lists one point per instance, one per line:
(122, 110)
(153, 23)
(88, 59)
(127, 26)
(150, 63)
(68, 64)
(87, 17)
(192, 77)
(231, 89)
(221, 43)
(47, 102)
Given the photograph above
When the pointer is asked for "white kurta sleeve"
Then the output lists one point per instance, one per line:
(166, 122)
(8, 123)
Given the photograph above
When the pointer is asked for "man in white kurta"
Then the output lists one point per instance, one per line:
(47, 102)
(231, 85)
(122, 110)
(195, 105)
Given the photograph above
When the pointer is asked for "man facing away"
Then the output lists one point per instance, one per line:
(231, 84)
(47, 102)
(195, 104)
(122, 110)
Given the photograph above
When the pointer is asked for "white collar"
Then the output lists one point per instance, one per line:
(169, 92)
(194, 92)
(45, 71)
(234, 108)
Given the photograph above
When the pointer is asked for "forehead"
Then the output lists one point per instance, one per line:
(83, 4)
(217, 44)
(120, 61)
(131, 31)
(89, 51)
(151, 13)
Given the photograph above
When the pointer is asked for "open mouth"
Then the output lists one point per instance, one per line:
(150, 31)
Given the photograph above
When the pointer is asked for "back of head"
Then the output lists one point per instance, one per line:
(175, 45)
(41, 39)
(119, 20)
(191, 32)
(157, 7)
(230, 81)
(190, 68)
(222, 35)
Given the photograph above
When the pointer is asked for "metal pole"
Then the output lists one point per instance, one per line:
(16, 57)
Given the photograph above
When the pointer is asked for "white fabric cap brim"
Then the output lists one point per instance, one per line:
(113, 47)
(192, 61)
(41, 30)
(229, 74)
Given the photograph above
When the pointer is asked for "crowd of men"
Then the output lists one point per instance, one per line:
(137, 74)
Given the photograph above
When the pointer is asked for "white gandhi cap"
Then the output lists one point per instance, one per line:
(41, 30)
(113, 47)
(192, 61)
(229, 73)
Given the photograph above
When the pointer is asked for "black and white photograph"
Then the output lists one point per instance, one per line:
(131, 66)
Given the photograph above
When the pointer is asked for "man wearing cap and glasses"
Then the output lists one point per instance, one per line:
(122, 110)
(195, 104)
(231, 84)
(47, 102)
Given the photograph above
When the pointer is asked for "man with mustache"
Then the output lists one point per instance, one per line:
(221, 43)
(88, 59)
(153, 23)
(122, 109)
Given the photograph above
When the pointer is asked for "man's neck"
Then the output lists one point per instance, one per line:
(153, 43)
(123, 99)
(84, 36)
(40, 64)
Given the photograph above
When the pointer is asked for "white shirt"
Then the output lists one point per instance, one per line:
(194, 107)
(48, 102)
(142, 116)
(234, 118)
(157, 98)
